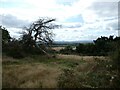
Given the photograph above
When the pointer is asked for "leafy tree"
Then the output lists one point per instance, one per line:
(103, 44)
(86, 49)
(80, 48)
(5, 35)
(89, 49)
(67, 50)
(117, 39)
(14, 49)
(5, 38)
(111, 38)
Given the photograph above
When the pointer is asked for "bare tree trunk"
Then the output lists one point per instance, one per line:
(48, 55)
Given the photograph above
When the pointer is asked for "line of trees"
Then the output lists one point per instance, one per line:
(102, 46)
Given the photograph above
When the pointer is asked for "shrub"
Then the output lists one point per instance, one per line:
(80, 48)
(14, 50)
(67, 50)
(115, 56)
(69, 79)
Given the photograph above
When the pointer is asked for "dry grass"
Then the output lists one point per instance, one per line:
(57, 48)
(32, 76)
(37, 74)
(76, 57)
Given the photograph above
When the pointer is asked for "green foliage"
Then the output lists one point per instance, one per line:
(111, 75)
(80, 48)
(98, 80)
(101, 46)
(18, 49)
(86, 49)
(14, 49)
(101, 75)
(116, 59)
(5, 35)
(115, 55)
(69, 79)
(27, 41)
(11, 48)
(69, 63)
(67, 50)
(35, 39)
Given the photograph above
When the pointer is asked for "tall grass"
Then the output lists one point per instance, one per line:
(60, 72)
(29, 76)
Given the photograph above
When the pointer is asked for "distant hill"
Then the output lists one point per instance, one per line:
(71, 42)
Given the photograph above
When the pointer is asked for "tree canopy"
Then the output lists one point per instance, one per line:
(40, 30)
(5, 35)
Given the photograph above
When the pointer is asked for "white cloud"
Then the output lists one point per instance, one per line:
(105, 9)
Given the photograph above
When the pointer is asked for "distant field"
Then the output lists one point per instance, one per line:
(76, 57)
(41, 72)
(58, 48)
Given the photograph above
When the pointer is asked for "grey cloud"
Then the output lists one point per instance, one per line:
(114, 25)
(112, 18)
(105, 9)
(76, 31)
(72, 26)
(11, 21)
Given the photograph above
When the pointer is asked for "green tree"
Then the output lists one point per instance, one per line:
(5, 35)
(80, 48)
(102, 45)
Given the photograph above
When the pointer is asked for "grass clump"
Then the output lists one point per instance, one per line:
(69, 79)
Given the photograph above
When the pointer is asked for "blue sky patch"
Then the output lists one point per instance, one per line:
(77, 18)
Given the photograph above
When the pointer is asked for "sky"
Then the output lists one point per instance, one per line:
(80, 19)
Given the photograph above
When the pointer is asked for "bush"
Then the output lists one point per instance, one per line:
(80, 48)
(101, 46)
(87, 49)
(67, 50)
(14, 50)
(69, 79)
(17, 49)
(115, 56)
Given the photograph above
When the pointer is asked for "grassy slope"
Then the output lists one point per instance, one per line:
(39, 71)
